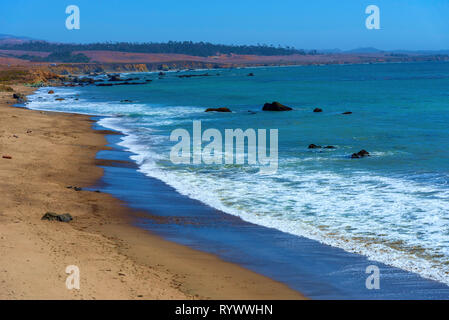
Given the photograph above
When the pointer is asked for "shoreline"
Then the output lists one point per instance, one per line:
(317, 270)
(52, 150)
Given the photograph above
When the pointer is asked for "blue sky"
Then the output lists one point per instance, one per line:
(320, 24)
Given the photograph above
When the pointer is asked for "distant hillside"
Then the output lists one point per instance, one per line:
(62, 56)
(364, 50)
(187, 55)
(200, 49)
(369, 50)
(7, 39)
(434, 52)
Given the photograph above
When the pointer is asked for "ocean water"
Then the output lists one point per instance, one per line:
(392, 207)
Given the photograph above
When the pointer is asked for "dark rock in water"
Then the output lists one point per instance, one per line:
(21, 98)
(275, 106)
(104, 85)
(148, 80)
(250, 74)
(161, 74)
(51, 92)
(363, 153)
(193, 75)
(51, 216)
(347, 112)
(114, 78)
(317, 110)
(360, 154)
(218, 110)
(314, 146)
(125, 101)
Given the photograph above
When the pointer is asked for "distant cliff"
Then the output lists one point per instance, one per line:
(238, 61)
(114, 62)
(85, 68)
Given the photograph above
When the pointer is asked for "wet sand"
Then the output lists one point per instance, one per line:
(50, 151)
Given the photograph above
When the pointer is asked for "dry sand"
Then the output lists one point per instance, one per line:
(51, 151)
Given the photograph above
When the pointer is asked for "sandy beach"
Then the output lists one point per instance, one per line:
(44, 153)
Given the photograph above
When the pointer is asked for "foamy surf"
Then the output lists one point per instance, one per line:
(391, 207)
(324, 220)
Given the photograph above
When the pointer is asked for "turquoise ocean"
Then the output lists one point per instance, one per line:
(392, 207)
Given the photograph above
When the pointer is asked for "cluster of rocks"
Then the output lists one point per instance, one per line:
(193, 75)
(361, 154)
(317, 110)
(20, 97)
(116, 78)
(276, 106)
(314, 146)
(109, 81)
(74, 188)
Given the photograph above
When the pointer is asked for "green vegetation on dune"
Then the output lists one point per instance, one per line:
(202, 49)
(60, 56)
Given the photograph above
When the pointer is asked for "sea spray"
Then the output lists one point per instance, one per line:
(256, 154)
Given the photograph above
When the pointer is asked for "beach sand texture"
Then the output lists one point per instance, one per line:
(50, 151)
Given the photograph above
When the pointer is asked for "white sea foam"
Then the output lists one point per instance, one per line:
(386, 219)
(393, 220)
